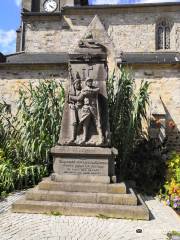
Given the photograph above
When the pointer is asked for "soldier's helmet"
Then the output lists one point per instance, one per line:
(77, 81)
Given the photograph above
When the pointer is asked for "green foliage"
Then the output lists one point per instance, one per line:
(5, 125)
(54, 213)
(7, 173)
(173, 168)
(127, 109)
(38, 120)
(140, 158)
(147, 166)
(27, 137)
(172, 234)
(3, 195)
(102, 216)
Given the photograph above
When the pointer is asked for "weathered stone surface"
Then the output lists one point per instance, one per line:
(81, 166)
(82, 151)
(164, 84)
(14, 78)
(83, 209)
(80, 178)
(83, 163)
(81, 197)
(85, 119)
(130, 32)
(27, 5)
(48, 185)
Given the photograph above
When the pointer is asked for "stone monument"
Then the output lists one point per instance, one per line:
(83, 182)
(84, 151)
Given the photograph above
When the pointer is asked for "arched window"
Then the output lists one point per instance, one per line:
(163, 31)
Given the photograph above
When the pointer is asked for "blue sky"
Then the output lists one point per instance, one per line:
(9, 22)
(10, 19)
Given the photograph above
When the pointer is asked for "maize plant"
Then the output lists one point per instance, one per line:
(27, 137)
(127, 109)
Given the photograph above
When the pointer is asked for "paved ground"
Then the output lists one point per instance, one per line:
(44, 227)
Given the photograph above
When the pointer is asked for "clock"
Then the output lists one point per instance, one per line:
(50, 6)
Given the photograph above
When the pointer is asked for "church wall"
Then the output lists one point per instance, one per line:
(164, 79)
(129, 32)
(164, 83)
(137, 32)
(14, 78)
(51, 36)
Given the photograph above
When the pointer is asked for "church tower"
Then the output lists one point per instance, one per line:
(50, 6)
(40, 8)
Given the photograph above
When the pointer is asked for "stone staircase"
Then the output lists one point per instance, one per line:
(83, 199)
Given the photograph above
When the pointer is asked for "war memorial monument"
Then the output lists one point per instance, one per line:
(84, 182)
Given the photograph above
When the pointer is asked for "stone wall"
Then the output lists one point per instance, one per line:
(53, 36)
(14, 78)
(129, 32)
(165, 83)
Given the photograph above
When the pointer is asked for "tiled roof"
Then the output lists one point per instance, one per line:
(148, 58)
(63, 58)
(36, 58)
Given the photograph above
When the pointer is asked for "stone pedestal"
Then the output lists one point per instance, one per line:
(82, 185)
(83, 164)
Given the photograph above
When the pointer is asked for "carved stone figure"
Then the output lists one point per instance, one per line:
(87, 120)
(91, 92)
(75, 108)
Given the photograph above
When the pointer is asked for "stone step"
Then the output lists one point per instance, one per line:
(49, 185)
(81, 197)
(140, 212)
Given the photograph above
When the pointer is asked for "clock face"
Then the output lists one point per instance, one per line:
(50, 5)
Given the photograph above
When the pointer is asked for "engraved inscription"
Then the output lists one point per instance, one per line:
(83, 167)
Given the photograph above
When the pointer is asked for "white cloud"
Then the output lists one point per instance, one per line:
(18, 2)
(7, 41)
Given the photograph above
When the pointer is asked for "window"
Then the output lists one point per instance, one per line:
(81, 2)
(163, 31)
(35, 6)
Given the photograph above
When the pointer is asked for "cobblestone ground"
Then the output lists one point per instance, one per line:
(44, 227)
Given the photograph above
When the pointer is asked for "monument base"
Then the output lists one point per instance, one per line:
(82, 185)
(83, 164)
(83, 199)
